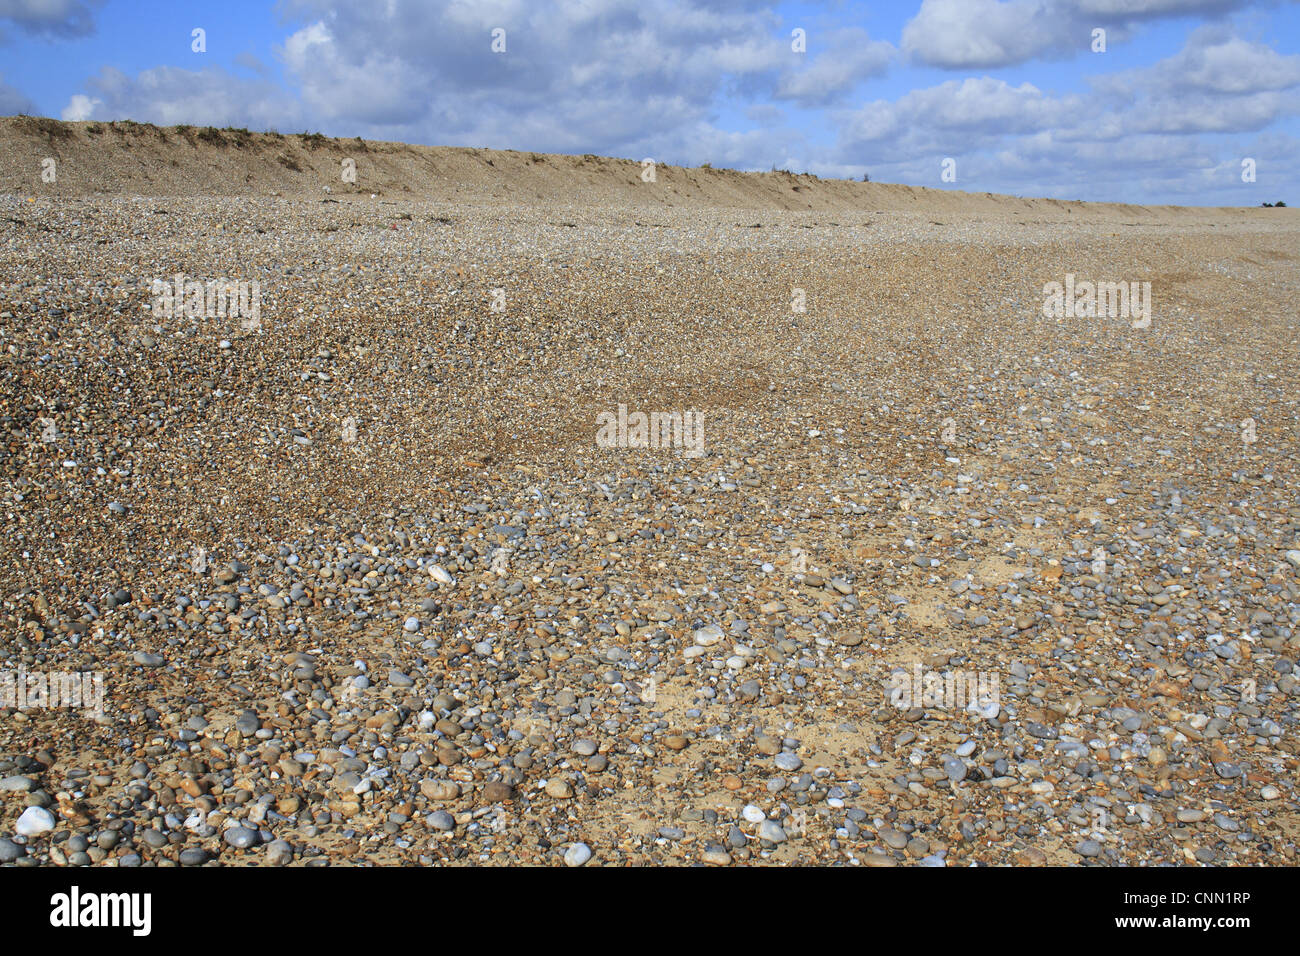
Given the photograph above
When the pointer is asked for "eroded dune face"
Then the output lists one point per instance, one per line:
(367, 566)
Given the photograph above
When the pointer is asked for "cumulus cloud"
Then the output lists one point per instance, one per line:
(693, 81)
(170, 96)
(1166, 127)
(627, 74)
(79, 108)
(51, 18)
(956, 117)
(986, 34)
(1213, 61)
(979, 34)
(851, 56)
(1204, 114)
(1218, 82)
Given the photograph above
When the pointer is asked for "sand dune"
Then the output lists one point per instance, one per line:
(127, 158)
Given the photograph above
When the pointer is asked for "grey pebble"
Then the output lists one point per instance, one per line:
(10, 851)
(771, 831)
(788, 761)
(241, 838)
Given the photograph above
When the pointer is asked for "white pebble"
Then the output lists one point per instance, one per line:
(34, 821)
(577, 855)
(708, 634)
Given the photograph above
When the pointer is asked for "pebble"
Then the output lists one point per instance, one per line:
(34, 821)
(442, 790)
(788, 761)
(708, 635)
(495, 791)
(442, 820)
(577, 854)
(240, 837)
(893, 838)
(770, 831)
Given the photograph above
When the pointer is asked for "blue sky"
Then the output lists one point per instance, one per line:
(1009, 90)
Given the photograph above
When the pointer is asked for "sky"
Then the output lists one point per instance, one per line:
(1192, 102)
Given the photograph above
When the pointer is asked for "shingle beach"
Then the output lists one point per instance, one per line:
(363, 585)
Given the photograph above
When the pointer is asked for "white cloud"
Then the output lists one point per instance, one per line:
(1215, 61)
(984, 34)
(80, 107)
(657, 78)
(621, 76)
(170, 96)
(979, 34)
(1218, 82)
(851, 57)
(955, 117)
(1168, 129)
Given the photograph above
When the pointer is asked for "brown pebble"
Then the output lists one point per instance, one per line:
(495, 791)
(440, 789)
